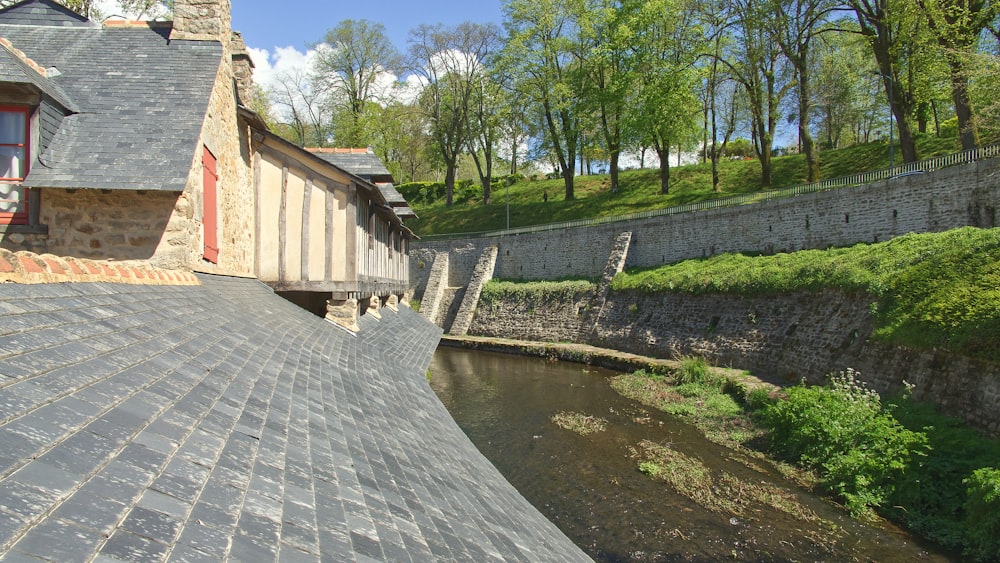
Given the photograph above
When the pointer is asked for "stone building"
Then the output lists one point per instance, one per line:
(158, 400)
(128, 141)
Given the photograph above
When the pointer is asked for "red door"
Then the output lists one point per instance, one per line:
(210, 218)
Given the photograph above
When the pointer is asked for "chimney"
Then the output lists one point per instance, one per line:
(242, 68)
(202, 20)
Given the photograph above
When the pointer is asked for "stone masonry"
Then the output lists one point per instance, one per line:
(954, 197)
(483, 274)
(786, 337)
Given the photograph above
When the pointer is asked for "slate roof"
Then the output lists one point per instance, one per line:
(40, 12)
(15, 70)
(199, 423)
(140, 100)
(360, 162)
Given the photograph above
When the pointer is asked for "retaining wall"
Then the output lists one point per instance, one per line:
(954, 197)
(786, 338)
(803, 335)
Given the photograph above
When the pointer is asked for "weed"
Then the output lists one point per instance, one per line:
(983, 514)
(580, 423)
(842, 431)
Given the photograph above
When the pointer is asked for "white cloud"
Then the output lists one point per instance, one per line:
(283, 62)
(272, 66)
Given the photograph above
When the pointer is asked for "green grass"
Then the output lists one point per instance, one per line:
(932, 290)
(639, 190)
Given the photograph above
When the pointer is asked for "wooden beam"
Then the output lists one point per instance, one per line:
(283, 223)
(306, 198)
(328, 244)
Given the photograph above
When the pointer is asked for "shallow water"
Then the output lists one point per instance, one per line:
(591, 488)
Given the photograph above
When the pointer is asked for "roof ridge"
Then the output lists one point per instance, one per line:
(30, 268)
(137, 23)
(341, 150)
(24, 58)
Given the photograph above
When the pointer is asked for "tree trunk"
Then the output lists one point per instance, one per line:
(715, 168)
(513, 156)
(968, 131)
(449, 183)
(664, 155)
(805, 136)
(907, 144)
(614, 171)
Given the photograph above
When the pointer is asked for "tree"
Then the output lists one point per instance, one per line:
(796, 23)
(610, 32)
(889, 25)
(351, 68)
(846, 106)
(485, 130)
(449, 61)
(665, 105)
(957, 26)
(719, 92)
(539, 56)
(301, 107)
(756, 63)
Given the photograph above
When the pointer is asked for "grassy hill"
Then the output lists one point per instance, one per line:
(933, 290)
(639, 190)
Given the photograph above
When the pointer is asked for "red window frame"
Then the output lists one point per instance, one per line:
(19, 217)
(210, 213)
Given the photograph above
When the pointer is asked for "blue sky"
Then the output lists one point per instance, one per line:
(267, 24)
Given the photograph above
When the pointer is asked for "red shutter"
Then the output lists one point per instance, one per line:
(210, 218)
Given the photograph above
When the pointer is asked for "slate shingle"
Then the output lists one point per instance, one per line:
(233, 424)
(127, 124)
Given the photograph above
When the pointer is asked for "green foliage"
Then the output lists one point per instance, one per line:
(983, 514)
(933, 290)
(842, 431)
(739, 148)
(905, 459)
(534, 293)
(693, 370)
(422, 193)
(930, 496)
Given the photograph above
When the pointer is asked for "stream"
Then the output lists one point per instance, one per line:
(591, 488)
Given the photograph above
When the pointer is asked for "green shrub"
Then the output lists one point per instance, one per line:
(842, 431)
(930, 497)
(983, 514)
(534, 293)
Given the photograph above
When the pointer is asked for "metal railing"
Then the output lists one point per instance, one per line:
(937, 163)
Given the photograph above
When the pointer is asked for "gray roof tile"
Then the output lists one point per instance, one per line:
(142, 96)
(361, 163)
(226, 422)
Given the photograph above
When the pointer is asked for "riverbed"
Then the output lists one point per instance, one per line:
(590, 486)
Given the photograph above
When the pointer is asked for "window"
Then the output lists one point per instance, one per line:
(210, 220)
(13, 165)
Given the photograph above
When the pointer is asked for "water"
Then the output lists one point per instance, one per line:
(591, 488)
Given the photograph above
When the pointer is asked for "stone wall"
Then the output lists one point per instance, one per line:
(937, 201)
(116, 225)
(783, 338)
(788, 337)
(222, 135)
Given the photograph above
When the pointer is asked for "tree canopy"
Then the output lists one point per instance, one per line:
(566, 84)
